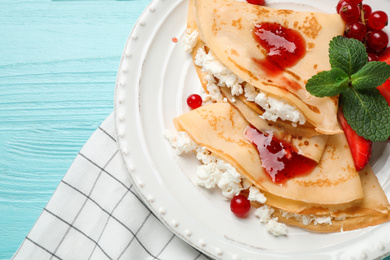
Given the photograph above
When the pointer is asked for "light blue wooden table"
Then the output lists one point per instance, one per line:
(58, 64)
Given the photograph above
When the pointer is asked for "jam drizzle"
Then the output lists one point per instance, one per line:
(284, 46)
(279, 159)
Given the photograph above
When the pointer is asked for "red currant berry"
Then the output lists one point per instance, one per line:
(377, 40)
(367, 10)
(194, 101)
(356, 2)
(350, 13)
(256, 2)
(372, 57)
(340, 4)
(356, 30)
(240, 205)
(377, 20)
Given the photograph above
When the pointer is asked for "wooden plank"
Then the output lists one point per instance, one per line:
(57, 72)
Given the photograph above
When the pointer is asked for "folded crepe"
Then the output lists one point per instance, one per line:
(220, 128)
(333, 188)
(372, 210)
(227, 28)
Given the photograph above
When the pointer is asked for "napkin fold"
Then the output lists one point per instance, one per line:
(96, 213)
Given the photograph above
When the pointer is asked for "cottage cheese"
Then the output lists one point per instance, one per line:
(190, 40)
(208, 175)
(308, 219)
(182, 143)
(213, 89)
(264, 214)
(250, 92)
(275, 108)
(216, 70)
(215, 172)
(276, 228)
(256, 195)
(230, 182)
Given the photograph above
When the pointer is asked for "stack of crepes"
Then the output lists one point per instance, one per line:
(334, 188)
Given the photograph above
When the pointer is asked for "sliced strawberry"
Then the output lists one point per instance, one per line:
(360, 147)
(385, 88)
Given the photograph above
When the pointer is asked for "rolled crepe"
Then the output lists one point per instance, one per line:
(333, 189)
(226, 27)
(372, 210)
(220, 128)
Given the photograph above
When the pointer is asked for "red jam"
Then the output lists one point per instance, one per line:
(279, 159)
(256, 2)
(284, 46)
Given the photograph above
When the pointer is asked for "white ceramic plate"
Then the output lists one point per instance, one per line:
(155, 77)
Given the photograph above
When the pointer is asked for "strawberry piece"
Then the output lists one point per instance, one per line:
(360, 147)
(385, 88)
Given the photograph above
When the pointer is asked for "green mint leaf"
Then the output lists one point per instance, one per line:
(347, 54)
(328, 83)
(367, 112)
(371, 75)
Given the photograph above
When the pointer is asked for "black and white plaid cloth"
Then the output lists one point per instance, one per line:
(95, 213)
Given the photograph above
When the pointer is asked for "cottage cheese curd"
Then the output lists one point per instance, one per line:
(190, 39)
(276, 228)
(218, 75)
(308, 219)
(215, 172)
(264, 214)
(182, 143)
(256, 195)
(216, 70)
(274, 108)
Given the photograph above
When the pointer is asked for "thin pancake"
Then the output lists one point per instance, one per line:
(220, 128)
(304, 138)
(226, 27)
(372, 210)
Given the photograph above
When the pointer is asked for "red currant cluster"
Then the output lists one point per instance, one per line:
(364, 25)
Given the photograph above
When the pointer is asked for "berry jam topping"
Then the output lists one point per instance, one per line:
(284, 46)
(256, 2)
(278, 159)
(194, 101)
(240, 205)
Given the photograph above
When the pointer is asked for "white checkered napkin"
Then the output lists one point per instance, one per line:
(95, 213)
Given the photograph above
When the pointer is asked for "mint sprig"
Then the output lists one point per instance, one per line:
(356, 81)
